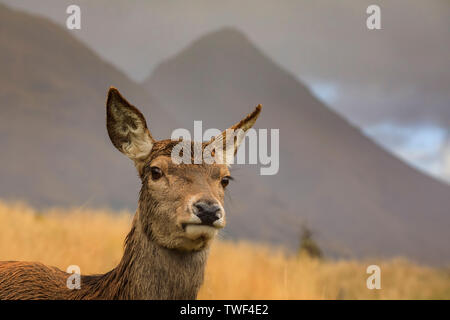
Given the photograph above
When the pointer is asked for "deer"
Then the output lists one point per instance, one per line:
(180, 211)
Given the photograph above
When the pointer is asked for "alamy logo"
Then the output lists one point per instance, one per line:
(74, 20)
(74, 280)
(224, 147)
(373, 21)
(374, 281)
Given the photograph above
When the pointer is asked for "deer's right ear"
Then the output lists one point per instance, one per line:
(127, 127)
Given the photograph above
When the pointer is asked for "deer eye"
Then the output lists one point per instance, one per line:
(156, 173)
(225, 180)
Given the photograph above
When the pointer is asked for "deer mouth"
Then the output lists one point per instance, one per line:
(199, 226)
(196, 229)
(200, 231)
(195, 221)
(218, 225)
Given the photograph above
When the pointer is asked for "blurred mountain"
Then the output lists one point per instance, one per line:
(55, 148)
(358, 198)
(401, 72)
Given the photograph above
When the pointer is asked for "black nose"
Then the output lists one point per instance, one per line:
(207, 212)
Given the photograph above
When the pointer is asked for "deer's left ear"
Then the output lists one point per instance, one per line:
(229, 140)
(127, 127)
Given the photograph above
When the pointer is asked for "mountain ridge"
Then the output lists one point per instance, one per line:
(53, 115)
(329, 170)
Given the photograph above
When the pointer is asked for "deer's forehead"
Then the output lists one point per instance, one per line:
(193, 171)
(214, 171)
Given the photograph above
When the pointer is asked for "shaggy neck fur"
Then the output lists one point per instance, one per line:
(147, 271)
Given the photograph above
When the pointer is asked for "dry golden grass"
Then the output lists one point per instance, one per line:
(93, 240)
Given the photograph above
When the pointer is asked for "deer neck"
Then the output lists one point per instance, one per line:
(150, 271)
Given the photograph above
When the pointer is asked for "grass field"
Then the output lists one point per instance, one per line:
(93, 240)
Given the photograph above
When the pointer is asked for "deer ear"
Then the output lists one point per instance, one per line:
(127, 128)
(227, 143)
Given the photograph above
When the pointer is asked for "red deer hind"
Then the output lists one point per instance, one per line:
(180, 211)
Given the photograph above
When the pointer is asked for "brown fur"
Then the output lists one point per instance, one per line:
(160, 261)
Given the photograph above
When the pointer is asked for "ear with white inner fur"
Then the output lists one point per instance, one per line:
(224, 146)
(127, 128)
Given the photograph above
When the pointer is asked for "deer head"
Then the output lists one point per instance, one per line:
(180, 205)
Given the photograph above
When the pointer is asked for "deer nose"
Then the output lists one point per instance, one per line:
(207, 212)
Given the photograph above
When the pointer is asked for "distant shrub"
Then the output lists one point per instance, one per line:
(308, 245)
